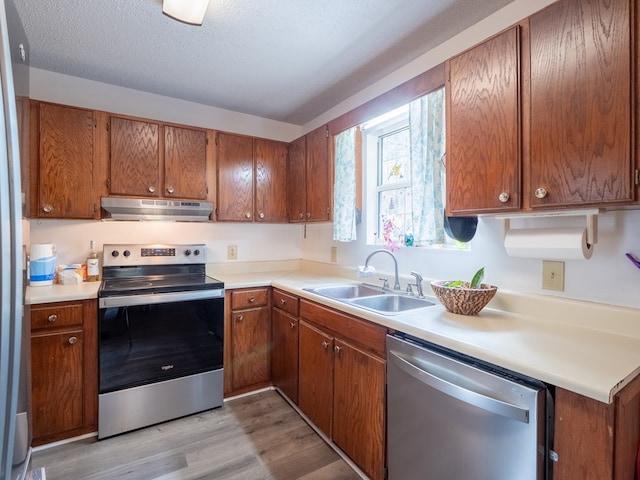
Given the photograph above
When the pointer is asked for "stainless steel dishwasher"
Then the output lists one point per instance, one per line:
(452, 417)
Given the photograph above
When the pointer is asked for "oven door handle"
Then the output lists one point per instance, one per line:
(155, 298)
(470, 397)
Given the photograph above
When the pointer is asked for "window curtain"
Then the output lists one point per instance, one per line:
(344, 187)
(427, 135)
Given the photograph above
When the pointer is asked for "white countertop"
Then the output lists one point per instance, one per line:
(590, 349)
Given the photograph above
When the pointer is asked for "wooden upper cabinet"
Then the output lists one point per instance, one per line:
(318, 173)
(135, 158)
(309, 178)
(271, 180)
(62, 175)
(296, 181)
(581, 91)
(483, 125)
(151, 159)
(235, 178)
(185, 163)
(251, 179)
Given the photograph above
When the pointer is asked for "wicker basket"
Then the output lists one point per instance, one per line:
(463, 300)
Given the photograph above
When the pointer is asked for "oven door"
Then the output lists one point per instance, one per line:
(152, 338)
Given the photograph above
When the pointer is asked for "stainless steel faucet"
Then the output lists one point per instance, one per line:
(418, 284)
(396, 285)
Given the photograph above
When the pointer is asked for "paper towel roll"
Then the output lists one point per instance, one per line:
(548, 243)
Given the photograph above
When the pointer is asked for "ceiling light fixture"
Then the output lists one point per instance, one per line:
(186, 11)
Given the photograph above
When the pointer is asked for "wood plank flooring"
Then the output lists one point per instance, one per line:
(254, 437)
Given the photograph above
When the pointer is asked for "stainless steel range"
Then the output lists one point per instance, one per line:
(161, 336)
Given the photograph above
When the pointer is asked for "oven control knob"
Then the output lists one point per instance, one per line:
(196, 252)
(126, 253)
(115, 253)
(187, 252)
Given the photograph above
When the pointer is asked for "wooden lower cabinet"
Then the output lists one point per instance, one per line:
(595, 440)
(247, 340)
(284, 341)
(64, 370)
(342, 383)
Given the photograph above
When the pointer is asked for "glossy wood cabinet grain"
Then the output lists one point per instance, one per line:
(483, 124)
(594, 440)
(581, 91)
(251, 177)
(309, 182)
(284, 340)
(152, 159)
(247, 340)
(63, 177)
(64, 369)
(342, 382)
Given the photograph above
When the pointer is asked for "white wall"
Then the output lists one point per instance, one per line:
(255, 242)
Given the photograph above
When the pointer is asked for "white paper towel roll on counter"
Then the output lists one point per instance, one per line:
(548, 243)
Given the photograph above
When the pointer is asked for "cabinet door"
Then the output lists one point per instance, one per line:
(296, 181)
(250, 335)
(284, 356)
(315, 383)
(581, 103)
(185, 163)
(359, 407)
(57, 382)
(135, 158)
(318, 173)
(483, 139)
(65, 166)
(235, 178)
(271, 180)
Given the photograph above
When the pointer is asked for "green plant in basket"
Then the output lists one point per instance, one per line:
(476, 281)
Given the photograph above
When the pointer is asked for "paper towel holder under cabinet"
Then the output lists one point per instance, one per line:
(590, 214)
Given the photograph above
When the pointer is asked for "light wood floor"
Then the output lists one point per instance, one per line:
(255, 437)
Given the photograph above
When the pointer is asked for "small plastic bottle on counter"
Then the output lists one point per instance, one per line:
(93, 264)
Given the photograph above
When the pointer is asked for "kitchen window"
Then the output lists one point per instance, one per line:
(404, 175)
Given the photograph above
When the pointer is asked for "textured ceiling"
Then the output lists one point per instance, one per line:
(287, 60)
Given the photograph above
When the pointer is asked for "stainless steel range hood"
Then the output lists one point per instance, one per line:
(156, 209)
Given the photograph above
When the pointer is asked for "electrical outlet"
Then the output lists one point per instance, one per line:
(553, 275)
(232, 252)
(334, 254)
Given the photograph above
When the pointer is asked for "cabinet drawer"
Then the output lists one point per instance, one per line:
(61, 314)
(286, 302)
(249, 298)
(360, 332)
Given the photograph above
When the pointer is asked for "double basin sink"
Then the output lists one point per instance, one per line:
(370, 297)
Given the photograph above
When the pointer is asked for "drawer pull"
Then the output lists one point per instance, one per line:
(337, 349)
(540, 192)
(52, 318)
(282, 301)
(325, 345)
(73, 340)
(240, 318)
(293, 325)
(252, 299)
(503, 197)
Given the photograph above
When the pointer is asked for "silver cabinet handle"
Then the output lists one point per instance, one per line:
(152, 189)
(456, 391)
(261, 215)
(252, 299)
(47, 208)
(282, 301)
(337, 349)
(73, 340)
(325, 345)
(240, 318)
(247, 215)
(170, 190)
(308, 215)
(503, 197)
(53, 317)
(540, 192)
(301, 216)
(293, 325)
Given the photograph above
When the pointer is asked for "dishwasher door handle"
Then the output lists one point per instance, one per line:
(463, 394)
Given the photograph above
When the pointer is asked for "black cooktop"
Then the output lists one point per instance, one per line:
(157, 284)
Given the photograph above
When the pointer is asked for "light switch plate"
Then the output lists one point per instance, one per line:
(232, 252)
(334, 254)
(553, 275)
